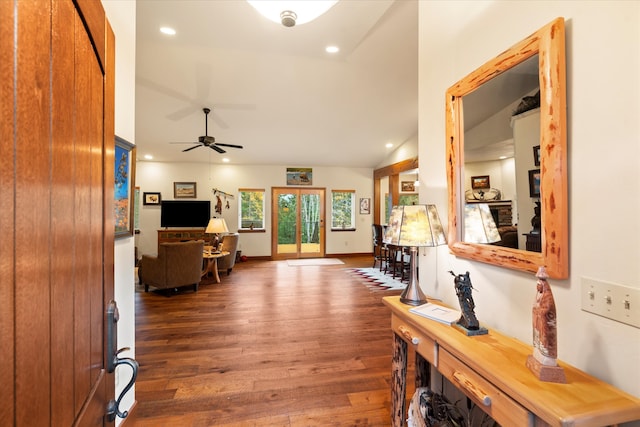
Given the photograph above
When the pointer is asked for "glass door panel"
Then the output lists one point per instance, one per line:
(310, 221)
(298, 223)
(287, 223)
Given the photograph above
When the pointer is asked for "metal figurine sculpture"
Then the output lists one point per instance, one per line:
(545, 349)
(468, 320)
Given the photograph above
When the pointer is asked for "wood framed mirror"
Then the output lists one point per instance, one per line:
(548, 46)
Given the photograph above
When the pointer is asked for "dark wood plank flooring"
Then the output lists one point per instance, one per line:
(272, 345)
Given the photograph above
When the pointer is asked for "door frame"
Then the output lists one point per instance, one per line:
(275, 191)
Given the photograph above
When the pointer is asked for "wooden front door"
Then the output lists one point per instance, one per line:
(56, 216)
(298, 223)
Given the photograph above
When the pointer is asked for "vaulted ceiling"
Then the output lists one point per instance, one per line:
(272, 89)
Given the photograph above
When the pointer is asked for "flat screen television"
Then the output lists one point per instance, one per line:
(192, 213)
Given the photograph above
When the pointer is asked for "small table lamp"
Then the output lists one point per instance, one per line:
(414, 226)
(479, 226)
(216, 227)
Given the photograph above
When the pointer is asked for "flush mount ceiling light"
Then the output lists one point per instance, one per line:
(291, 12)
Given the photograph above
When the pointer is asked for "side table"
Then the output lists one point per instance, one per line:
(211, 259)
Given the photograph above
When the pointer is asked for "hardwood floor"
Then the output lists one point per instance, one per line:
(272, 345)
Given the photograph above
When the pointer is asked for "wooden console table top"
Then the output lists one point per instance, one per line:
(499, 362)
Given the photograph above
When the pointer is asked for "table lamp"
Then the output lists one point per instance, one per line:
(216, 227)
(414, 226)
(479, 225)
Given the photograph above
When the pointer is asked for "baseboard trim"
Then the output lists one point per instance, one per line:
(349, 255)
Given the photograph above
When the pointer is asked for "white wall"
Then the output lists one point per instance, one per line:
(407, 150)
(122, 16)
(159, 177)
(603, 69)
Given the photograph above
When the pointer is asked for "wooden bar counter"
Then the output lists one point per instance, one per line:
(490, 369)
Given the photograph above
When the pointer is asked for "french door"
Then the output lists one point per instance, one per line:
(297, 223)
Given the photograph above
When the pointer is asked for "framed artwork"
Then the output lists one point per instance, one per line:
(407, 186)
(299, 176)
(534, 183)
(124, 179)
(365, 206)
(478, 182)
(536, 155)
(151, 198)
(184, 190)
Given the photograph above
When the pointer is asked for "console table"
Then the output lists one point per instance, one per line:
(490, 369)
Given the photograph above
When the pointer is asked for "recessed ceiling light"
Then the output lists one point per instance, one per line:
(503, 157)
(332, 49)
(225, 160)
(148, 157)
(388, 145)
(168, 31)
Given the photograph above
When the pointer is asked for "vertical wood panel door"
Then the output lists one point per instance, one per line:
(298, 223)
(56, 195)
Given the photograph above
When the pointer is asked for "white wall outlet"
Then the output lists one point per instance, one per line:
(613, 301)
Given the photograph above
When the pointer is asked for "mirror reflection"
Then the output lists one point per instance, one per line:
(522, 198)
(501, 128)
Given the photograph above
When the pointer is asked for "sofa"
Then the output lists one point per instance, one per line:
(229, 244)
(177, 264)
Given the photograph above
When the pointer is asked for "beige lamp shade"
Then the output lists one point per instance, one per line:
(217, 226)
(479, 226)
(415, 226)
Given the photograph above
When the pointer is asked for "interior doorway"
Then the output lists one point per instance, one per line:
(385, 198)
(298, 218)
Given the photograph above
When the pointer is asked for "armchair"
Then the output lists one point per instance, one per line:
(230, 244)
(177, 264)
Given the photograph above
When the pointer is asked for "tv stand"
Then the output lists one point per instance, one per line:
(182, 235)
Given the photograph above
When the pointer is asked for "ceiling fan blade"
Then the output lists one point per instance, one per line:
(218, 149)
(229, 145)
(189, 149)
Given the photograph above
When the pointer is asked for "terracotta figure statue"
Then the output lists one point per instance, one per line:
(545, 348)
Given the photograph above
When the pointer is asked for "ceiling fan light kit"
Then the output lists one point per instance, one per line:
(288, 18)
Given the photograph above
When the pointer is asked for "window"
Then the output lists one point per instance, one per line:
(251, 210)
(343, 210)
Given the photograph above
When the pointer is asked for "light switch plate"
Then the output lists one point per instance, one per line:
(610, 300)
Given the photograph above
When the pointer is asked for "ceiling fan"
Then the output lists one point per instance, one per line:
(209, 141)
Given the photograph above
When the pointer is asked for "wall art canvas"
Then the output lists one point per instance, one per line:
(124, 178)
(299, 176)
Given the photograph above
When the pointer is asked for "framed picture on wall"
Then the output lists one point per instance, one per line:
(407, 186)
(365, 206)
(536, 155)
(184, 190)
(534, 183)
(124, 178)
(481, 181)
(151, 198)
(299, 176)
